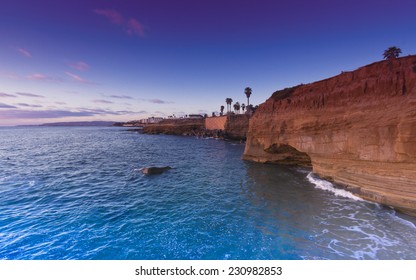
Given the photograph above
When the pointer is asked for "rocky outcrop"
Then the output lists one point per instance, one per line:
(236, 127)
(357, 129)
(155, 170)
(176, 127)
(232, 126)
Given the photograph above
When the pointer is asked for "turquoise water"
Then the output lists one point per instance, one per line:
(77, 193)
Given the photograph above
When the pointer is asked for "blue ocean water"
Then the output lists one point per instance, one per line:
(77, 193)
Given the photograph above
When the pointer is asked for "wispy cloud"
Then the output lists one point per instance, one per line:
(78, 78)
(29, 105)
(121, 96)
(98, 111)
(60, 103)
(43, 77)
(24, 52)
(2, 94)
(37, 76)
(159, 101)
(42, 114)
(29, 94)
(2, 106)
(11, 112)
(134, 27)
(132, 112)
(102, 101)
(79, 65)
(112, 15)
(131, 26)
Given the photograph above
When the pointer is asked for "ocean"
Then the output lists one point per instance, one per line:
(78, 193)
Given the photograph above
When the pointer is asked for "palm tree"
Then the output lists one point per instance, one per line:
(247, 91)
(222, 109)
(243, 106)
(228, 101)
(237, 107)
(392, 52)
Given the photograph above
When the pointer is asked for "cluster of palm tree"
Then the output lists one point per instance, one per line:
(237, 105)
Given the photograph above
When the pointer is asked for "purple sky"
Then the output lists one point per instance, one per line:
(130, 59)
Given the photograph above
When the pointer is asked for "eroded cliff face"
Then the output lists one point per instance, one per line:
(357, 129)
(236, 127)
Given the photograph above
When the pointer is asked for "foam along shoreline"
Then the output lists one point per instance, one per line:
(328, 186)
(324, 185)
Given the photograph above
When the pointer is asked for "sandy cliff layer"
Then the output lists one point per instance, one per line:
(358, 129)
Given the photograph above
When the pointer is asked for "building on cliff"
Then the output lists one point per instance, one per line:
(357, 129)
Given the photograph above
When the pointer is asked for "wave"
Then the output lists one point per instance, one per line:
(403, 221)
(328, 186)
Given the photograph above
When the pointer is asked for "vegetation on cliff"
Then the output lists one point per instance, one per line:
(392, 52)
(284, 93)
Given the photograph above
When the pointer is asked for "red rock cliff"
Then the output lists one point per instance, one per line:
(357, 129)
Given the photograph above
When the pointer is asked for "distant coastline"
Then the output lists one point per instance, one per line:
(90, 123)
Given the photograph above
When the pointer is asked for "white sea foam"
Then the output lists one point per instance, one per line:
(402, 220)
(327, 186)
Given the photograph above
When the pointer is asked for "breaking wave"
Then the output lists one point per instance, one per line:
(327, 186)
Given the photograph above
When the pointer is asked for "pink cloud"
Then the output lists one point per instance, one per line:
(135, 28)
(77, 78)
(79, 65)
(37, 76)
(24, 52)
(131, 26)
(112, 15)
(43, 77)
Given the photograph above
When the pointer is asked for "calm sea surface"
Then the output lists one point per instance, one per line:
(77, 193)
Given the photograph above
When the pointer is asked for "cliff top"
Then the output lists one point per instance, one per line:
(378, 68)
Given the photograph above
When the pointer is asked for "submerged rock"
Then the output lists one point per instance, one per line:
(155, 170)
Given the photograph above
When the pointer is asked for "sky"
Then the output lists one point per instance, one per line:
(85, 60)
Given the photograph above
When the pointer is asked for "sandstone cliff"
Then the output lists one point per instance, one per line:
(357, 129)
(236, 127)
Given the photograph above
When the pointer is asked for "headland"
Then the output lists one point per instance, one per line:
(357, 129)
